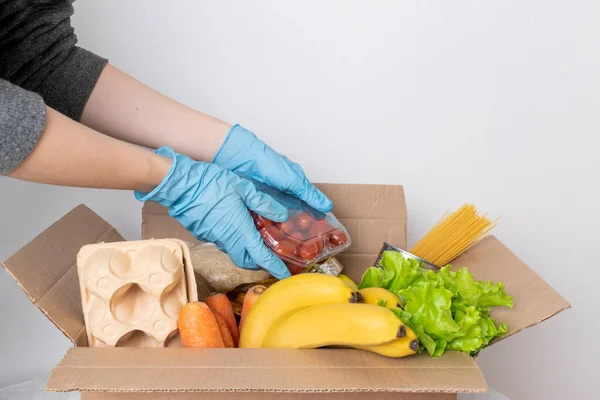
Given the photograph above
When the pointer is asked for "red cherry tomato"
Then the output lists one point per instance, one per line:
(318, 241)
(338, 238)
(271, 234)
(294, 269)
(304, 221)
(309, 250)
(260, 221)
(294, 241)
(287, 226)
(286, 248)
(320, 228)
(297, 235)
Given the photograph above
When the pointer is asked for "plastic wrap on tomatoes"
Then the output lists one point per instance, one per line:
(307, 237)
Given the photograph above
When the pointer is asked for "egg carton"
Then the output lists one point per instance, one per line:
(132, 292)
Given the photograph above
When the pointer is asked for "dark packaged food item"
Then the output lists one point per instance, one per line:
(307, 237)
(237, 295)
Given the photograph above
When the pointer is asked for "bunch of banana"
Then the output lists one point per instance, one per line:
(309, 311)
(291, 294)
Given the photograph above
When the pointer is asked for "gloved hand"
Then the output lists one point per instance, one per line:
(243, 152)
(213, 203)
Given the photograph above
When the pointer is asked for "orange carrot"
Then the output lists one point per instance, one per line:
(221, 304)
(251, 296)
(198, 326)
(225, 333)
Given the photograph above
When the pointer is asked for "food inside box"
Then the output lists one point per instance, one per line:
(135, 293)
(367, 307)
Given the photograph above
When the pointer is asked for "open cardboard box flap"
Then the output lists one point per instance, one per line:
(46, 268)
(373, 214)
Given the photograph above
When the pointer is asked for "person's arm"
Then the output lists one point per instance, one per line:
(209, 201)
(70, 154)
(124, 108)
(42, 70)
(38, 52)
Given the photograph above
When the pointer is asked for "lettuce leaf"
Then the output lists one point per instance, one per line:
(371, 278)
(433, 305)
(476, 293)
(447, 310)
(416, 324)
(377, 277)
(406, 272)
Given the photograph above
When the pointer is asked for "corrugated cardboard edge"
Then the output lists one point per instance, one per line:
(130, 370)
(270, 396)
(324, 391)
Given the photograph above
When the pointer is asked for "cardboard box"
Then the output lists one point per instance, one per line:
(46, 270)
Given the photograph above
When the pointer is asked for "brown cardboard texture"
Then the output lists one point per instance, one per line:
(373, 214)
(261, 396)
(261, 370)
(46, 268)
(270, 396)
(534, 300)
(132, 292)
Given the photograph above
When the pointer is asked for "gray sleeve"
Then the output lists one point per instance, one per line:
(38, 52)
(22, 120)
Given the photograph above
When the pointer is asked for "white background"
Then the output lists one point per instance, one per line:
(494, 103)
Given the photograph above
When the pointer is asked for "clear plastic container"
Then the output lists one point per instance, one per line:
(307, 237)
(303, 239)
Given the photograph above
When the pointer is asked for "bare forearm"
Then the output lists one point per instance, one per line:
(70, 154)
(126, 109)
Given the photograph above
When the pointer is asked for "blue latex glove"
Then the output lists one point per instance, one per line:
(212, 203)
(242, 152)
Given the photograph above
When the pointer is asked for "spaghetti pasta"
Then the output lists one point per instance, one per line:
(452, 235)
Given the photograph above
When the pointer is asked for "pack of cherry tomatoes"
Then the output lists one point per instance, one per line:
(307, 237)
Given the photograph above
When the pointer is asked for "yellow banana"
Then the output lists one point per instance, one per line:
(373, 294)
(295, 292)
(397, 348)
(348, 281)
(341, 324)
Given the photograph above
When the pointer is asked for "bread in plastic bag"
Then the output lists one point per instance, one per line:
(218, 270)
